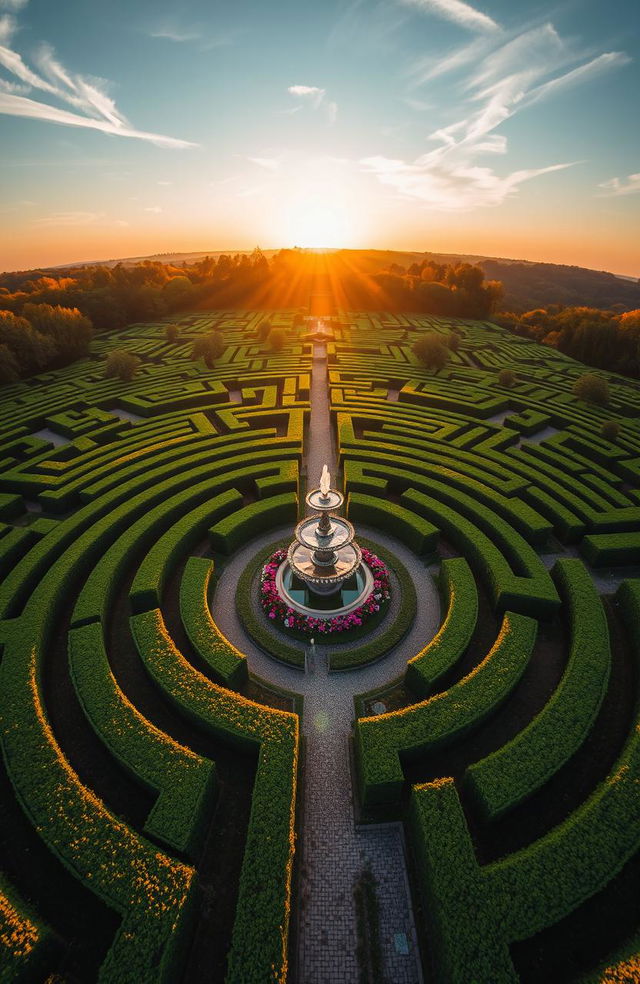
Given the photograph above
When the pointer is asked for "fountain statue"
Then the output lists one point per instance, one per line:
(324, 574)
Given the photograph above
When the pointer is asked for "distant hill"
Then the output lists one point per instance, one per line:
(527, 284)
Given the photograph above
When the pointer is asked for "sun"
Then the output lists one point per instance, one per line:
(314, 222)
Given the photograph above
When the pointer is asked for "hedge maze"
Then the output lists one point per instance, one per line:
(515, 758)
(149, 801)
(149, 827)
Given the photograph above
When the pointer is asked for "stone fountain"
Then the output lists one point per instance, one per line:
(324, 574)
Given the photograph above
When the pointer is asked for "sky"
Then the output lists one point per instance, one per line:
(498, 128)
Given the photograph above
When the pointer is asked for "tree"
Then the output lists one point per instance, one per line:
(610, 430)
(277, 339)
(9, 371)
(507, 377)
(432, 350)
(264, 329)
(172, 333)
(208, 347)
(122, 364)
(69, 330)
(30, 350)
(591, 389)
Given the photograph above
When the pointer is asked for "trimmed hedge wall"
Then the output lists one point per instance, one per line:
(185, 783)
(474, 912)
(384, 740)
(411, 529)
(516, 770)
(227, 663)
(232, 532)
(260, 933)
(611, 549)
(27, 945)
(449, 645)
(494, 557)
(153, 894)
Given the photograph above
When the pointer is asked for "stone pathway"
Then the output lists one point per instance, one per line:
(333, 853)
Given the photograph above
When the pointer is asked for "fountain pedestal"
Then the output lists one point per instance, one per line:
(324, 574)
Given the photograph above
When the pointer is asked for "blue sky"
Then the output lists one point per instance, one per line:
(499, 128)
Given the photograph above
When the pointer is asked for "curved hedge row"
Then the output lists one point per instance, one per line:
(259, 944)
(449, 644)
(383, 741)
(185, 782)
(153, 894)
(517, 769)
(411, 529)
(26, 944)
(475, 912)
(227, 663)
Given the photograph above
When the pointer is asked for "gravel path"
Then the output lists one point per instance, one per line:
(334, 853)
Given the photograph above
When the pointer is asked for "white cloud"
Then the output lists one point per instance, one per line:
(12, 105)
(155, 209)
(89, 96)
(312, 92)
(616, 187)
(459, 12)
(174, 34)
(13, 4)
(459, 187)
(165, 184)
(317, 98)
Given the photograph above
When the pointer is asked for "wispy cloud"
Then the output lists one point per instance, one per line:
(457, 11)
(177, 32)
(13, 4)
(317, 98)
(95, 108)
(616, 187)
(173, 34)
(445, 187)
(155, 209)
(500, 76)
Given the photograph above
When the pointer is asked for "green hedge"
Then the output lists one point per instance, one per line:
(611, 549)
(357, 656)
(234, 531)
(374, 511)
(474, 913)
(185, 783)
(27, 945)
(449, 645)
(153, 894)
(515, 771)
(494, 556)
(168, 550)
(259, 942)
(252, 617)
(384, 740)
(227, 663)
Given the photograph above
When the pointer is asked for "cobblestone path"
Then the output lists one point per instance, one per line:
(333, 852)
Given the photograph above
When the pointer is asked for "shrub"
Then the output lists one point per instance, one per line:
(209, 348)
(507, 377)
(610, 430)
(454, 341)
(277, 339)
(264, 329)
(432, 350)
(122, 364)
(591, 389)
(172, 334)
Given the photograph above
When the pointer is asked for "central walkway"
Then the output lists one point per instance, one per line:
(333, 853)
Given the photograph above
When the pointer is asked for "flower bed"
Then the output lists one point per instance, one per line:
(279, 612)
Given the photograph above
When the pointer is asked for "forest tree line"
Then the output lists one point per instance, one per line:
(47, 317)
